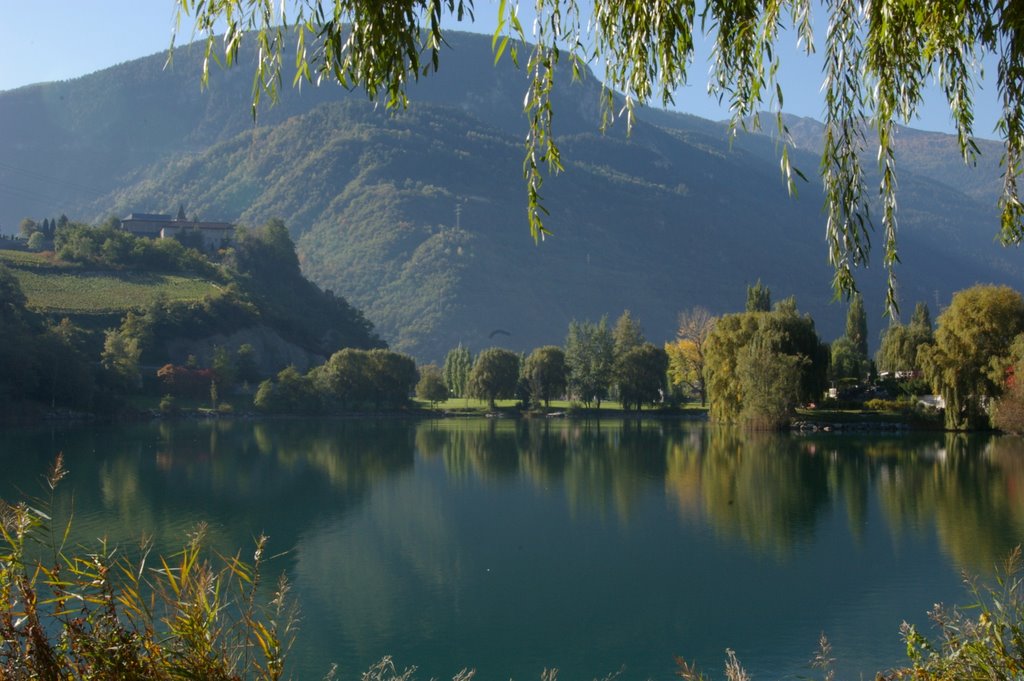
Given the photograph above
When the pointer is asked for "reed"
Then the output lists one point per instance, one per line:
(100, 614)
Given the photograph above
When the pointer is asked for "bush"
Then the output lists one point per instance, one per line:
(878, 404)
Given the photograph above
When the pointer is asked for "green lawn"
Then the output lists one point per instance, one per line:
(470, 405)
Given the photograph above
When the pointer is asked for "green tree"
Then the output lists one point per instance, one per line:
(769, 379)
(589, 359)
(457, 365)
(627, 334)
(759, 298)
(431, 386)
(878, 58)
(345, 378)
(544, 370)
(969, 360)
(37, 241)
(898, 349)
(121, 353)
(393, 377)
(847, 362)
(783, 331)
(225, 367)
(857, 325)
(640, 375)
(922, 317)
(494, 376)
(289, 393)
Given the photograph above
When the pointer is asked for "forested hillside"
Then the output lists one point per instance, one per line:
(418, 217)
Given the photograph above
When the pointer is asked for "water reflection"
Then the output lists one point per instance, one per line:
(440, 540)
(768, 490)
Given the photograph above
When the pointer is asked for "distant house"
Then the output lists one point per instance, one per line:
(211, 235)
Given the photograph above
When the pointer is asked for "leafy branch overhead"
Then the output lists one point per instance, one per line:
(879, 54)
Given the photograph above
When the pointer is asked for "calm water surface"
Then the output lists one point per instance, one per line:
(514, 546)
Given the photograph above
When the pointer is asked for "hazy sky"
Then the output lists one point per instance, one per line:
(45, 40)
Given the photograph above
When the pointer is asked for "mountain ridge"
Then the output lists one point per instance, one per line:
(672, 217)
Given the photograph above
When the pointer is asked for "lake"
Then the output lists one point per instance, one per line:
(511, 546)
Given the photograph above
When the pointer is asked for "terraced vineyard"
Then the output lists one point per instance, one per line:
(55, 287)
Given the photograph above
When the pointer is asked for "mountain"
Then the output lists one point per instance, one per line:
(418, 216)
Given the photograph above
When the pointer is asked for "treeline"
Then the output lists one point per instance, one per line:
(108, 247)
(755, 367)
(751, 367)
(596, 363)
(350, 380)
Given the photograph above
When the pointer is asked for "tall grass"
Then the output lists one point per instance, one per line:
(100, 614)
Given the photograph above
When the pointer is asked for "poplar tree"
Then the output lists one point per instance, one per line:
(457, 365)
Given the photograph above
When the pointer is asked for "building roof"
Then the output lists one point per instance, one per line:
(150, 217)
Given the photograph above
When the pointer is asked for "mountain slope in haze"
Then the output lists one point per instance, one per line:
(418, 217)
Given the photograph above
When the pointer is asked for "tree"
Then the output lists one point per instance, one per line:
(735, 393)
(898, 349)
(37, 241)
(686, 355)
(627, 334)
(922, 317)
(640, 375)
(494, 376)
(290, 393)
(393, 377)
(847, 361)
(545, 373)
(759, 298)
(457, 365)
(878, 58)
(769, 379)
(857, 325)
(225, 367)
(121, 352)
(969, 360)
(431, 386)
(345, 378)
(589, 358)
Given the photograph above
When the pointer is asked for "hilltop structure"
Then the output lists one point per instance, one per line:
(209, 235)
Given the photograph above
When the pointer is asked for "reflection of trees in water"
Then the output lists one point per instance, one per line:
(765, 488)
(244, 478)
(602, 465)
(969, 487)
(769, 490)
(613, 466)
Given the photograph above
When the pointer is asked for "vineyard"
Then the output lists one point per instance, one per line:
(56, 287)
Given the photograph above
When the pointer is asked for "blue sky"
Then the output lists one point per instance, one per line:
(45, 40)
